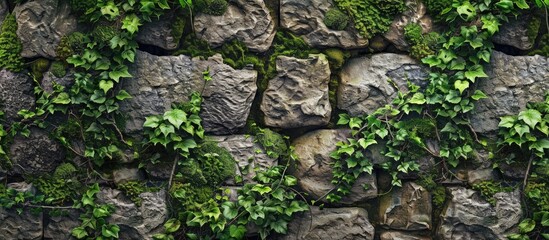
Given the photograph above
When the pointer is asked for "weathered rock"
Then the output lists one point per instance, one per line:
(306, 17)
(36, 154)
(331, 224)
(515, 33)
(4, 10)
(136, 222)
(468, 216)
(123, 175)
(513, 81)
(394, 235)
(41, 25)
(416, 13)
(479, 175)
(246, 20)
(160, 33)
(298, 95)
(16, 93)
(60, 227)
(314, 168)
(248, 154)
(406, 208)
(49, 80)
(20, 226)
(160, 81)
(365, 86)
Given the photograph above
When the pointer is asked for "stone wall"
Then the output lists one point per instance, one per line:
(296, 102)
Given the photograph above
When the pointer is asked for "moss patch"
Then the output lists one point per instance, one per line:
(10, 45)
(335, 19)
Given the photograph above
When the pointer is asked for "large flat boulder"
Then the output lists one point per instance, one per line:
(407, 208)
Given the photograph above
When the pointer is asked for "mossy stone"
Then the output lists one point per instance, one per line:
(335, 19)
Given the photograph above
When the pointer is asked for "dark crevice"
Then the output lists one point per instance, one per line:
(154, 50)
(509, 50)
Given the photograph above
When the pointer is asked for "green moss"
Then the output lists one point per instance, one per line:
(420, 51)
(58, 69)
(236, 55)
(210, 166)
(104, 33)
(58, 190)
(371, 17)
(190, 197)
(332, 93)
(336, 57)
(538, 195)
(71, 44)
(487, 190)
(413, 33)
(212, 7)
(193, 46)
(178, 27)
(422, 46)
(543, 46)
(65, 170)
(81, 6)
(273, 143)
(133, 189)
(533, 29)
(39, 67)
(435, 7)
(10, 45)
(335, 19)
(439, 196)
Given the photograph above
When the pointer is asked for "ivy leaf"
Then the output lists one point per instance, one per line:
(230, 210)
(279, 226)
(364, 143)
(79, 232)
(261, 189)
(527, 225)
(166, 129)
(62, 98)
(507, 121)
(432, 61)
(521, 4)
(474, 72)
(129, 55)
(457, 64)
(172, 225)
(453, 97)
(382, 132)
(118, 72)
(461, 85)
(540, 145)
(131, 23)
(185, 145)
(530, 117)
(110, 11)
(152, 121)
(106, 85)
(466, 11)
(98, 97)
(343, 119)
(521, 129)
(176, 117)
(478, 95)
(110, 231)
(237, 232)
(490, 23)
(123, 95)
(417, 98)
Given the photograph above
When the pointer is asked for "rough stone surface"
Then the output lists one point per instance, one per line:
(331, 224)
(136, 222)
(41, 25)
(468, 216)
(314, 168)
(159, 33)
(246, 20)
(365, 86)
(243, 149)
(123, 175)
(36, 154)
(4, 10)
(406, 208)
(20, 226)
(306, 17)
(49, 80)
(415, 14)
(515, 33)
(298, 95)
(160, 81)
(513, 81)
(16, 93)
(394, 235)
(479, 175)
(60, 227)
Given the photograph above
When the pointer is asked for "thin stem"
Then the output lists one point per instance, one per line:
(175, 160)
(527, 171)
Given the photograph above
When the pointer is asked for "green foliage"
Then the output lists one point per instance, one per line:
(335, 19)
(132, 189)
(94, 224)
(533, 29)
(543, 46)
(336, 57)
(82, 6)
(273, 143)
(421, 46)
(58, 69)
(103, 34)
(236, 55)
(487, 190)
(536, 225)
(58, 190)
(193, 46)
(436, 7)
(178, 27)
(10, 45)
(39, 67)
(371, 17)
(213, 7)
(64, 171)
(71, 44)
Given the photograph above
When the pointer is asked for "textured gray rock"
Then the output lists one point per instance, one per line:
(123, 175)
(365, 86)
(20, 226)
(306, 17)
(314, 168)
(246, 20)
(41, 25)
(416, 13)
(36, 154)
(136, 222)
(468, 216)
(248, 154)
(16, 93)
(159, 33)
(479, 175)
(4, 10)
(406, 208)
(60, 227)
(513, 81)
(331, 224)
(49, 80)
(160, 81)
(394, 235)
(298, 95)
(515, 33)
